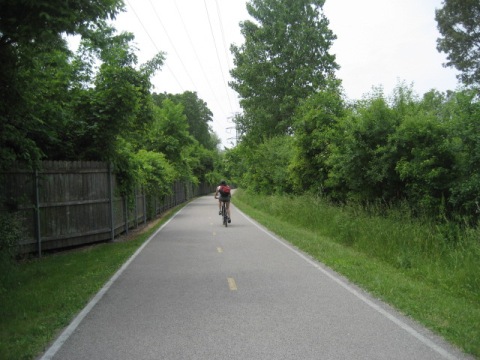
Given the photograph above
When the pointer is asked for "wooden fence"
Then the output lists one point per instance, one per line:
(75, 203)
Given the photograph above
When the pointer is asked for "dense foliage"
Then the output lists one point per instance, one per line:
(301, 135)
(385, 150)
(298, 132)
(35, 73)
(96, 103)
(422, 151)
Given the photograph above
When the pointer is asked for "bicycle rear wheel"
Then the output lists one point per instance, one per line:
(224, 214)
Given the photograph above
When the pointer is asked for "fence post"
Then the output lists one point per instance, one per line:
(136, 208)
(125, 213)
(110, 192)
(37, 215)
(144, 206)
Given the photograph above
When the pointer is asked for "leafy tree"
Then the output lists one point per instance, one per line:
(198, 116)
(76, 112)
(203, 163)
(25, 21)
(35, 104)
(283, 60)
(358, 165)
(29, 32)
(156, 174)
(314, 128)
(267, 166)
(117, 103)
(363, 154)
(459, 25)
(233, 165)
(433, 102)
(464, 130)
(169, 135)
(425, 161)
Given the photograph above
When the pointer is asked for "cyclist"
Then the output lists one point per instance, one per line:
(224, 191)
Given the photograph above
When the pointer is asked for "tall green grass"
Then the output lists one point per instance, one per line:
(429, 271)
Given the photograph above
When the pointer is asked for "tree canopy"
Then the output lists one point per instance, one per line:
(198, 116)
(459, 24)
(284, 59)
(94, 103)
(35, 76)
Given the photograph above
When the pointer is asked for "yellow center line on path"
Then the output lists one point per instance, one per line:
(231, 284)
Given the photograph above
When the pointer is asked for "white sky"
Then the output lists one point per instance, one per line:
(379, 43)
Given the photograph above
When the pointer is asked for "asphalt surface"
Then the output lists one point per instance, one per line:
(198, 290)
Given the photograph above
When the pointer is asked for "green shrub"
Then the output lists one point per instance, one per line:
(10, 235)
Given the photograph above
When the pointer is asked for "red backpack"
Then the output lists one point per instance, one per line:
(224, 190)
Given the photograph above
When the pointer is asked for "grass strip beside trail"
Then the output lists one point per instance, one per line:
(47, 293)
(439, 306)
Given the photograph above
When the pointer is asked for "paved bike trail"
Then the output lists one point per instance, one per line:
(198, 290)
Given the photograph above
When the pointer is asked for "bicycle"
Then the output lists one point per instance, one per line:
(224, 213)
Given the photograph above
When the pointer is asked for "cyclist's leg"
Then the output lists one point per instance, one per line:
(219, 207)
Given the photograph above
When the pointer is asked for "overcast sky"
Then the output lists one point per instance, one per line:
(379, 43)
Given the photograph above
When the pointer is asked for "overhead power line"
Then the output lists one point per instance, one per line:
(153, 42)
(218, 58)
(225, 47)
(173, 46)
(193, 47)
(197, 57)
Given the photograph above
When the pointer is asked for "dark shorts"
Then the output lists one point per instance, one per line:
(225, 199)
